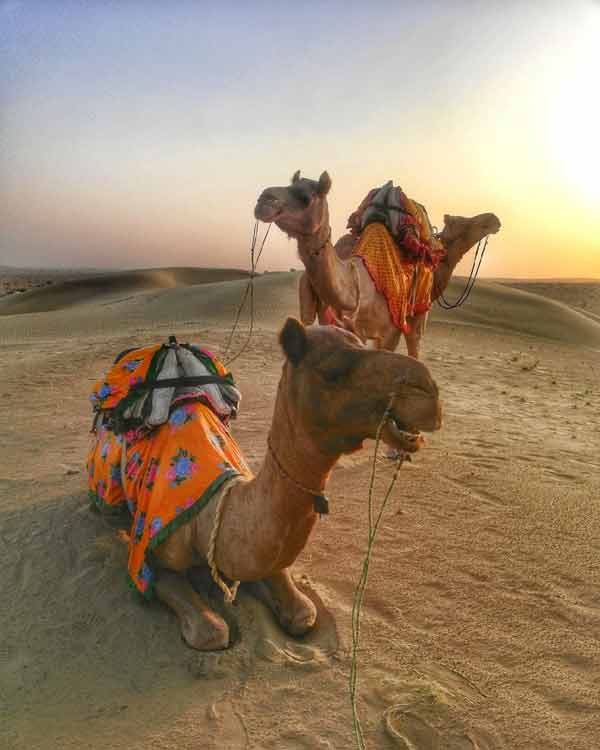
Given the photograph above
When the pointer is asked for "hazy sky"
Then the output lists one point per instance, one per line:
(141, 133)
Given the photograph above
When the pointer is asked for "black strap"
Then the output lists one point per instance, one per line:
(151, 385)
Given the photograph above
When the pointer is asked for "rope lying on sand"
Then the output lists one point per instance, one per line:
(374, 522)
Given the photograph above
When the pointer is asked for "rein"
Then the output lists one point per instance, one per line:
(249, 288)
(374, 521)
(464, 295)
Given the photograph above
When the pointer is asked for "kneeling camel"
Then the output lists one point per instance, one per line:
(332, 395)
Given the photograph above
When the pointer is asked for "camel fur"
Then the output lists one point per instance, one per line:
(335, 279)
(332, 395)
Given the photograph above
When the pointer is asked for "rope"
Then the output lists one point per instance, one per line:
(230, 593)
(374, 522)
(464, 295)
(249, 289)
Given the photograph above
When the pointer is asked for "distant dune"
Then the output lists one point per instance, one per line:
(211, 297)
(517, 310)
(583, 295)
(56, 290)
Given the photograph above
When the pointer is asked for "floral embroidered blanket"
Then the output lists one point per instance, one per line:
(406, 285)
(164, 475)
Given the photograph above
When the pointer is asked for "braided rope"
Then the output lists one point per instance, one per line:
(362, 584)
(229, 593)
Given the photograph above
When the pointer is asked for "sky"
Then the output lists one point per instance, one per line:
(140, 133)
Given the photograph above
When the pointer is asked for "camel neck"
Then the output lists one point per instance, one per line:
(331, 277)
(293, 454)
(312, 246)
(455, 251)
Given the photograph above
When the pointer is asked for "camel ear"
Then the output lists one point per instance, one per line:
(324, 184)
(447, 219)
(296, 176)
(294, 341)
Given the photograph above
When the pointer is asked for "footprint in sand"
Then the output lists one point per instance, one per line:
(313, 651)
(435, 713)
(425, 722)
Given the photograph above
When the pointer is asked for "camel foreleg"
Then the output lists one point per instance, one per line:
(413, 336)
(201, 627)
(308, 301)
(294, 611)
(391, 339)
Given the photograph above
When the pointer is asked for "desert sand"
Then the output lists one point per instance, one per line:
(481, 619)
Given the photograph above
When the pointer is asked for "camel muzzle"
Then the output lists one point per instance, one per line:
(267, 207)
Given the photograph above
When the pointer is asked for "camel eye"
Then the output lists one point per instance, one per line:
(302, 197)
(337, 368)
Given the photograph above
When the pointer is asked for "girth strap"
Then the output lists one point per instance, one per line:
(151, 385)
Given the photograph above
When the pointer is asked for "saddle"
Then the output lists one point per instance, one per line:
(406, 221)
(145, 383)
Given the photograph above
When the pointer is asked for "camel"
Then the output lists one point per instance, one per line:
(333, 394)
(333, 279)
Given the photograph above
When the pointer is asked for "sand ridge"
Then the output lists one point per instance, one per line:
(482, 611)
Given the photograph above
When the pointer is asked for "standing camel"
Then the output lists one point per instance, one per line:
(333, 394)
(341, 283)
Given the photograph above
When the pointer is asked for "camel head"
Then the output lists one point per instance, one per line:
(336, 390)
(299, 209)
(467, 231)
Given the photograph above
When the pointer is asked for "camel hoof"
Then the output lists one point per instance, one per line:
(302, 620)
(210, 633)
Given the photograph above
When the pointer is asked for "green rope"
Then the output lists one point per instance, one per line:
(362, 583)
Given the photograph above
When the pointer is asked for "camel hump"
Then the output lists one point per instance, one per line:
(344, 247)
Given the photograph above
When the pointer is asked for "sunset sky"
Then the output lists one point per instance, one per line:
(138, 134)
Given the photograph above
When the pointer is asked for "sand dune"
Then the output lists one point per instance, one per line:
(583, 295)
(87, 289)
(482, 612)
(510, 309)
(183, 294)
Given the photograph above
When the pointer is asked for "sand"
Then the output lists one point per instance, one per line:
(482, 614)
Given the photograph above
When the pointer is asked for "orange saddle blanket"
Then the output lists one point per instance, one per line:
(406, 285)
(164, 474)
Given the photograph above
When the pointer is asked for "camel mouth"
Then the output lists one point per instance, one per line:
(267, 211)
(397, 435)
